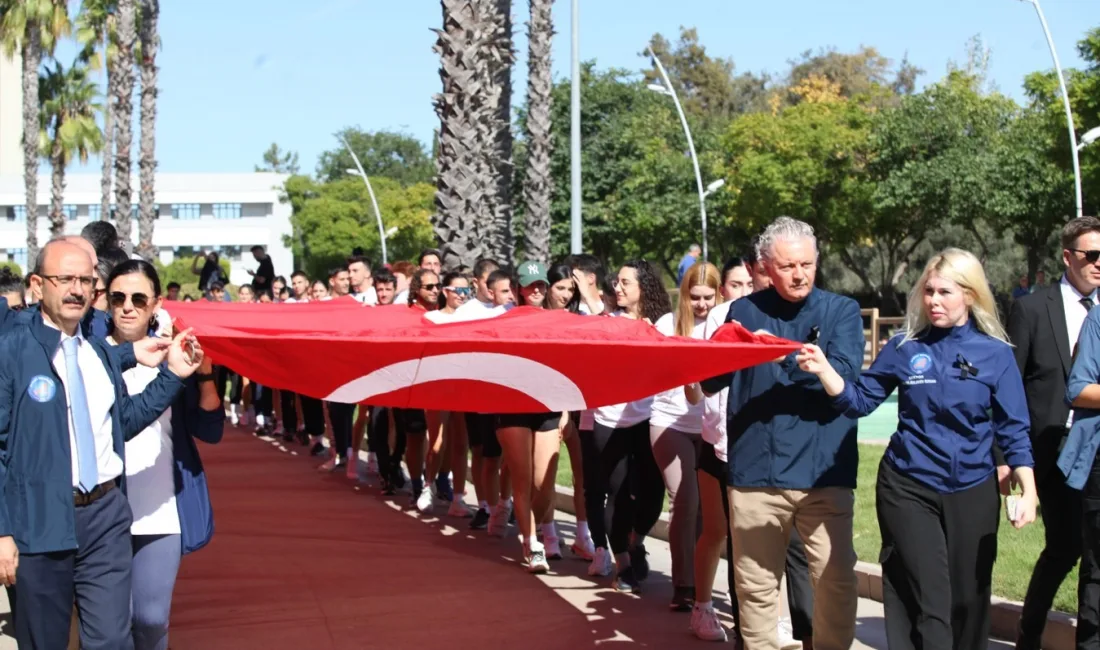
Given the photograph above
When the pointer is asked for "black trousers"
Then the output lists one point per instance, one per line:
(1088, 584)
(264, 399)
(96, 575)
(1061, 508)
(313, 414)
(389, 460)
(623, 486)
(800, 591)
(342, 417)
(290, 411)
(937, 562)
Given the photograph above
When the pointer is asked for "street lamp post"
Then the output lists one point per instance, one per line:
(1091, 136)
(668, 89)
(1065, 100)
(575, 239)
(358, 171)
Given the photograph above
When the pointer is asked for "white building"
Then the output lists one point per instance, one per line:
(227, 213)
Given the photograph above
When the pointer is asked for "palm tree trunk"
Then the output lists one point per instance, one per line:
(108, 123)
(460, 187)
(32, 58)
(538, 184)
(150, 9)
(124, 116)
(503, 171)
(57, 194)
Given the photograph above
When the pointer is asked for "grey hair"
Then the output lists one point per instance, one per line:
(783, 228)
(694, 248)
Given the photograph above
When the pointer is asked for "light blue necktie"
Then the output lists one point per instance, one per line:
(82, 420)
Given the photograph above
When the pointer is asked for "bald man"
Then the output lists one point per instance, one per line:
(65, 415)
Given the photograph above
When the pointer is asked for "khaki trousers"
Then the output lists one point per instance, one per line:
(761, 521)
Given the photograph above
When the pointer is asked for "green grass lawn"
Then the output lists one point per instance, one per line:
(1017, 550)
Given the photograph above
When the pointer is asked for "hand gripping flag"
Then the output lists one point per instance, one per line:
(527, 360)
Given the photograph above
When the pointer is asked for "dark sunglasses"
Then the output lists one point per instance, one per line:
(1090, 256)
(140, 300)
(429, 287)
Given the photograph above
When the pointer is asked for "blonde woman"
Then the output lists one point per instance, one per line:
(675, 432)
(959, 389)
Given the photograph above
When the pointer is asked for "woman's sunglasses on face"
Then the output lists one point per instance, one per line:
(460, 292)
(139, 300)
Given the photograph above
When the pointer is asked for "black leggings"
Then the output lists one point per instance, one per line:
(623, 487)
(342, 417)
(378, 436)
(313, 414)
(290, 411)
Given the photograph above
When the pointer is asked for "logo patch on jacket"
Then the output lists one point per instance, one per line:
(42, 388)
(920, 363)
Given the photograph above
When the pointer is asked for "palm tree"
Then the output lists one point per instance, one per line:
(501, 57)
(538, 184)
(150, 10)
(96, 28)
(68, 127)
(32, 28)
(123, 74)
(461, 187)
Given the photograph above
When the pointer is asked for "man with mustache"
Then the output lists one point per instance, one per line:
(64, 416)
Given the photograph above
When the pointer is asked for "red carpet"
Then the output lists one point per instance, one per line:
(303, 561)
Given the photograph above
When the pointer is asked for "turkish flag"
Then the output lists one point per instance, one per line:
(527, 360)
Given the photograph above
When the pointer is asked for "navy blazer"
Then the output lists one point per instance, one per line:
(36, 489)
(191, 421)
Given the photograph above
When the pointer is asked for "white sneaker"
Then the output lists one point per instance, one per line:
(330, 464)
(536, 559)
(259, 419)
(353, 469)
(584, 549)
(706, 626)
(785, 631)
(601, 563)
(498, 519)
(553, 547)
(459, 509)
(426, 502)
(234, 417)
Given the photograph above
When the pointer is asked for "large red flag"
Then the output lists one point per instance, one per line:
(527, 360)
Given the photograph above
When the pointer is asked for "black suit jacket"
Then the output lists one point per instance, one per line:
(1037, 327)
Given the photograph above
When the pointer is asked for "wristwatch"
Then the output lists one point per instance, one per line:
(204, 377)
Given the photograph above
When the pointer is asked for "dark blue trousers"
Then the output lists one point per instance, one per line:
(96, 576)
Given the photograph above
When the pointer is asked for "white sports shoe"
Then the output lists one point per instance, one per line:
(601, 563)
(458, 509)
(706, 626)
(426, 502)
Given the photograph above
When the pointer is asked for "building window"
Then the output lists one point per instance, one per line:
(19, 256)
(185, 210)
(17, 213)
(95, 212)
(227, 210)
(69, 211)
(231, 253)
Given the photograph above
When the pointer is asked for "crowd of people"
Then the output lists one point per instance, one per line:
(761, 462)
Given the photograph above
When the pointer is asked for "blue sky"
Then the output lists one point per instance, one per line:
(238, 75)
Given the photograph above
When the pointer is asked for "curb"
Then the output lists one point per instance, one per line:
(1004, 615)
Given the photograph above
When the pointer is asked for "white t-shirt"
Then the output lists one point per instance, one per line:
(671, 408)
(477, 310)
(368, 297)
(401, 298)
(714, 407)
(621, 416)
(150, 467)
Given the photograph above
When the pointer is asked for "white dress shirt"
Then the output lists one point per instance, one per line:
(1075, 318)
(101, 398)
(150, 467)
(368, 297)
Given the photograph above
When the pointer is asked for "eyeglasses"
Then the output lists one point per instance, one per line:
(430, 287)
(1090, 256)
(118, 299)
(86, 281)
(461, 292)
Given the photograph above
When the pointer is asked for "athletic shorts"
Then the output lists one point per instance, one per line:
(709, 463)
(410, 421)
(481, 432)
(532, 421)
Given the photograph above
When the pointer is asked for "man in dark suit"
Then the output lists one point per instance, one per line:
(64, 416)
(1044, 327)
